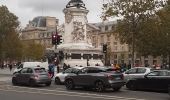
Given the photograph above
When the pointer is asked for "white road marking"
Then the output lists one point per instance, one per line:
(75, 95)
(68, 93)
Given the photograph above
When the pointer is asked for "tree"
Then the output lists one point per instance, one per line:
(33, 51)
(135, 14)
(164, 22)
(8, 34)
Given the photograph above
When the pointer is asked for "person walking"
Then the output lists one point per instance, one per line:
(51, 69)
(10, 67)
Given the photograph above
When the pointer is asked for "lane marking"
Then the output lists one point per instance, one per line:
(70, 93)
(74, 95)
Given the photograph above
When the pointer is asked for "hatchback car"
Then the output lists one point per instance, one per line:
(98, 78)
(60, 77)
(155, 80)
(137, 72)
(32, 76)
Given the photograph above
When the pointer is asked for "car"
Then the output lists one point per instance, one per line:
(30, 64)
(60, 77)
(169, 89)
(97, 78)
(136, 72)
(31, 76)
(157, 80)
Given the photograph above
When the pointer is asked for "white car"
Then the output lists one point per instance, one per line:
(60, 77)
(136, 72)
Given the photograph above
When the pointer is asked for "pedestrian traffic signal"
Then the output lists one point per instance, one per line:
(59, 39)
(54, 39)
(104, 48)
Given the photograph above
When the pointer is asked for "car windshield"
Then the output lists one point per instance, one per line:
(40, 70)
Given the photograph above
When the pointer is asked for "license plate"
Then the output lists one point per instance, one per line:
(117, 78)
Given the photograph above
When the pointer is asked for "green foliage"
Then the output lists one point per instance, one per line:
(9, 42)
(139, 26)
(33, 51)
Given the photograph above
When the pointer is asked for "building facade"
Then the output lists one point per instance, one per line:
(40, 30)
(118, 53)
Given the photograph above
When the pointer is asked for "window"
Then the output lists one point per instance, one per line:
(131, 71)
(24, 70)
(113, 27)
(108, 37)
(102, 39)
(141, 70)
(68, 70)
(94, 70)
(40, 70)
(29, 70)
(156, 73)
(115, 56)
(115, 43)
(106, 28)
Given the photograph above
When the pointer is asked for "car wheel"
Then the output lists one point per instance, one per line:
(69, 84)
(116, 88)
(99, 86)
(57, 81)
(32, 83)
(14, 81)
(131, 86)
(48, 84)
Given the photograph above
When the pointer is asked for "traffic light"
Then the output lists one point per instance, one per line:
(59, 39)
(54, 39)
(104, 48)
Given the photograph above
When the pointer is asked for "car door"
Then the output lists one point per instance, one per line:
(162, 81)
(28, 75)
(82, 77)
(150, 81)
(64, 74)
(22, 75)
(128, 75)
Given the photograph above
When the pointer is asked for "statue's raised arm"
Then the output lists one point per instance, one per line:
(75, 3)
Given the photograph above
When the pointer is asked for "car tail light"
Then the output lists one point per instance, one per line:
(122, 76)
(36, 77)
(49, 75)
(110, 77)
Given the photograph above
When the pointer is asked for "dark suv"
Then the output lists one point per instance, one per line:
(98, 78)
(31, 76)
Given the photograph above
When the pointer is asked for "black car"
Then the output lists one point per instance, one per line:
(156, 80)
(31, 76)
(98, 78)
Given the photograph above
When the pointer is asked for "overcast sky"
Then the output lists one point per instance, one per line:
(28, 9)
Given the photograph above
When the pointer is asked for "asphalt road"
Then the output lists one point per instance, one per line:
(58, 92)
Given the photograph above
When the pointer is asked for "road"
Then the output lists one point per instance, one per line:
(9, 92)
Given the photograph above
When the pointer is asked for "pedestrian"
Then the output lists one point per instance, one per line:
(51, 69)
(64, 66)
(10, 67)
(58, 69)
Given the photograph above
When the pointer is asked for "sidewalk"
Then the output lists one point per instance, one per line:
(6, 71)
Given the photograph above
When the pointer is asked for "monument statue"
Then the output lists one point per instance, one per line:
(76, 3)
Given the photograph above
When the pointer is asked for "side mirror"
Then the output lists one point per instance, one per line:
(77, 72)
(145, 76)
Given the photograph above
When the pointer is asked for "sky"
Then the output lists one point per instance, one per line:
(26, 10)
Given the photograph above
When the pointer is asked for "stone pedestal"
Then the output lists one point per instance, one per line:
(76, 47)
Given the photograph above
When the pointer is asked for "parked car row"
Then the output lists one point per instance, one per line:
(97, 78)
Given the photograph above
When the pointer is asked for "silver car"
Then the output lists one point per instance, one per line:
(60, 77)
(31, 76)
(136, 72)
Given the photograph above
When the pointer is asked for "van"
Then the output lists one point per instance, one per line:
(31, 64)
